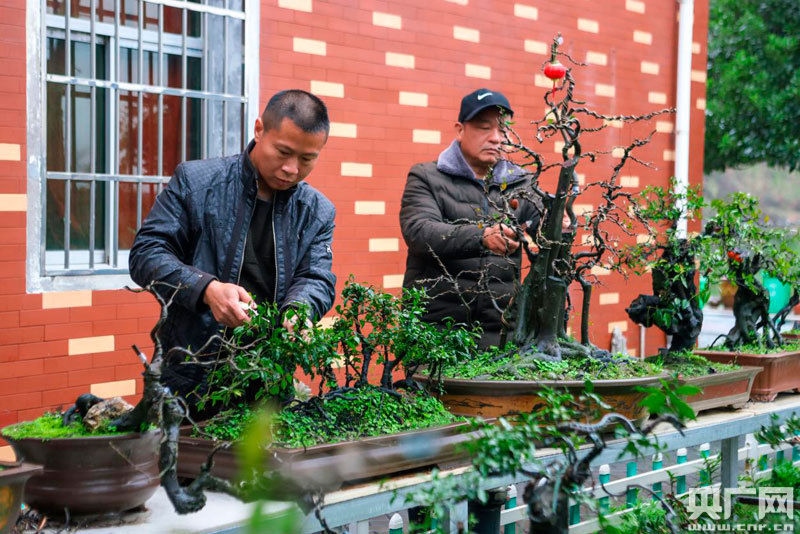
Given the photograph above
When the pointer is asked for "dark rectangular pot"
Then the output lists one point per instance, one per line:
(729, 388)
(12, 483)
(497, 398)
(331, 465)
(781, 370)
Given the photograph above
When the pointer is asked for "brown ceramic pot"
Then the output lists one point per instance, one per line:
(90, 475)
(496, 398)
(334, 464)
(12, 482)
(729, 388)
(781, 370)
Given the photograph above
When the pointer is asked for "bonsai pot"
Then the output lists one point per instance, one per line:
(331, 465)
(781, 370)
(728, 388)
(12, 482)
(496, 398)
(92, 474)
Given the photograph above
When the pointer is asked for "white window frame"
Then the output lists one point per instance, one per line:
(40, 274)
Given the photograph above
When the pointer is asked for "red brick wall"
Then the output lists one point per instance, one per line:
(40, 368)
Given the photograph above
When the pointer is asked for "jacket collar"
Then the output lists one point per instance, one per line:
(451, 161)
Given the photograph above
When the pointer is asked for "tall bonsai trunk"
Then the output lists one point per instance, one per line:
(587, 298)
(542, 298)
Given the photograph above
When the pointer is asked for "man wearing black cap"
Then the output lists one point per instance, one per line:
(467, 267)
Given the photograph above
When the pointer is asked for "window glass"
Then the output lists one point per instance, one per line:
(109, 150)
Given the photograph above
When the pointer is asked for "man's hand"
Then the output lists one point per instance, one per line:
(500, 239)
(290, 324)
(224, 301)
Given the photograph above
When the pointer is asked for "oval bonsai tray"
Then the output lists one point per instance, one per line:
(93, 474)
(729, 388)
(781, 370)
(332, 464)
(496, 398)
(12, 482)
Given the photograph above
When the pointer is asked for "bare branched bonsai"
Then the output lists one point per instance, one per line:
(160, 409)
(539, 307)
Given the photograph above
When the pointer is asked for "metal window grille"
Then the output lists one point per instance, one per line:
(133, 87)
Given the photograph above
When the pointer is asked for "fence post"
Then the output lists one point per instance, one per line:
(680, 484)
(729, 462)
(658, 463)
(511, 528)
(575, 514)
(459, 517)
(763, 460)
(605, 478)
(780, 456)
(487, 514)
(795, 450)
(396, 524)
(632, 493)
(705, 476)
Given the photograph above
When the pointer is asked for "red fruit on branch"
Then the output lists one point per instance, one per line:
(555, 70)
(735, 256)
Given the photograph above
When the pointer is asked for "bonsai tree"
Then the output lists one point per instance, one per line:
(372, 334)
(355, 362)
(739, 244)
(674, 306)
(540, 307)
(510, 449)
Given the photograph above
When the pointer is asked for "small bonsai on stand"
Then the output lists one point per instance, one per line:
(740, 245)
(674, 306)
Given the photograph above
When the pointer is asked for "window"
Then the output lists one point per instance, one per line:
(127, 90)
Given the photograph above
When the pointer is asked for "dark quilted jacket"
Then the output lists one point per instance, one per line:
(440, 200)
(196, 233)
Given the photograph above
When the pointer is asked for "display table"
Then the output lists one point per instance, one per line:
(358, 503)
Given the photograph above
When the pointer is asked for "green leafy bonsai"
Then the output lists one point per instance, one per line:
(739, 244)
(671, 257)
(362, 366)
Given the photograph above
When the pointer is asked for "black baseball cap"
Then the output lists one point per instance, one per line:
(477, 101)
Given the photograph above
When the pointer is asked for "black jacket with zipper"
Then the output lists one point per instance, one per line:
(196, 233)
(442, 205)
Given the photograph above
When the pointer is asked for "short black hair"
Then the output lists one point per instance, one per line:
(307, 111)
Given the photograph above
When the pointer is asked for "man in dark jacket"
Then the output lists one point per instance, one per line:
(229, 227)
(467, 266)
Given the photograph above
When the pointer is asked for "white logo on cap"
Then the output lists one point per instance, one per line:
(484, 95)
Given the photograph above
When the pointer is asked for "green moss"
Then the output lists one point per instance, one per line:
(354, 414)
(49, 426)
(689, 364)
(757, 348)
(489, 363)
